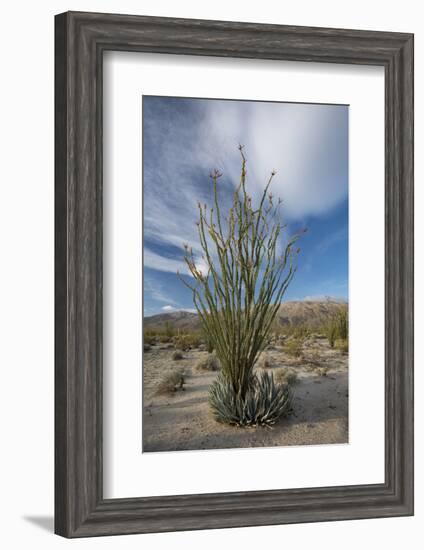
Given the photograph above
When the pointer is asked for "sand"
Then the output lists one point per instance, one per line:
(183, 421)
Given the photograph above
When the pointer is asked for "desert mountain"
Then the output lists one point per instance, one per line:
(313, 313)
(178, 319)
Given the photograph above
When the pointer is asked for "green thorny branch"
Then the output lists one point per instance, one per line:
(238, 298)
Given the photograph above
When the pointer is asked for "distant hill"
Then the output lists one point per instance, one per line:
(178, 319)
(313, 313)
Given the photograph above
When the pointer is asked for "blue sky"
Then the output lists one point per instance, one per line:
(184, 139)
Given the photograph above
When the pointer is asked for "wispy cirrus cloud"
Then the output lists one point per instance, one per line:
(156, 290)
(185, 139)
(162, 263)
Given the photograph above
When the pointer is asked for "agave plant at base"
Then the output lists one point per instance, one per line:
(264, 403)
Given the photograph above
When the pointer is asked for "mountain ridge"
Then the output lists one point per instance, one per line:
(296, 312)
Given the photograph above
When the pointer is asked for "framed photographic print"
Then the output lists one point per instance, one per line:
(234, 274)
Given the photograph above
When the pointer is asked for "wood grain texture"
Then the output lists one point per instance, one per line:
(81, 39)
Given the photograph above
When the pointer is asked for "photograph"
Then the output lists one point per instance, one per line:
(245, 274)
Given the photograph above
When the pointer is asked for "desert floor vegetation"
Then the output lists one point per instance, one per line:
(208, 363)
(286, 375)
(171, 381)
(181, 419)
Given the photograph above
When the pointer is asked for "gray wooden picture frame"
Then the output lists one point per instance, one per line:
(80, 40)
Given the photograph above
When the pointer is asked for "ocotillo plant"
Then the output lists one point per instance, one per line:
(338, 327)
(332, 333)
(343, 324)
(238, 296)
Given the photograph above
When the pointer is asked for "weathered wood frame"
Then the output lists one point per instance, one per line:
(81, 39)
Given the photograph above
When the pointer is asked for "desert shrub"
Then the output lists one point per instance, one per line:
(239, 293)
(209, 363)
(300, 331)
(208, 341)
(193, 340)
(286, 376)
(171, 382)
(310, 340)
(322, 371)
(265, 361)
(177, 355)
(169, 330)
(314, 358)
(149, 338)
(293, 347)
(181, 342)
(278, 336)
(187, 340)
(263, 404)
(343, 346)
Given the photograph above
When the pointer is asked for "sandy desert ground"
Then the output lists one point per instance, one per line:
(183, 421)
